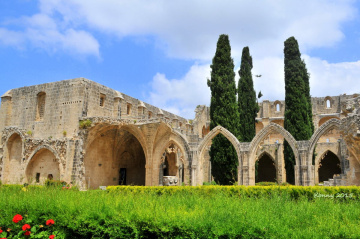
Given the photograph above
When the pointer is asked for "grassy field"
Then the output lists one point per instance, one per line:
(202, 212)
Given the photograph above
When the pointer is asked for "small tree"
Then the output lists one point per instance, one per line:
(224, 112)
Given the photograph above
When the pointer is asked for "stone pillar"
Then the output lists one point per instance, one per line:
(193, 175)
(305, 169)
(180, 174)
(245, 170)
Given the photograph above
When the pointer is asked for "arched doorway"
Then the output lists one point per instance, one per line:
(329, 166)
(43, 165)
(265, 170)
(172, 164)
(14, 154)
(114, 157)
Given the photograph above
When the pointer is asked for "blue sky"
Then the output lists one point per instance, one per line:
(160, 51)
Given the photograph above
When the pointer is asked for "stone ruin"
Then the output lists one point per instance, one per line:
(82, 132)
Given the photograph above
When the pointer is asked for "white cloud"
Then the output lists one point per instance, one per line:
(181, 96)
(332, 78)
(189, 29)
(42, 31)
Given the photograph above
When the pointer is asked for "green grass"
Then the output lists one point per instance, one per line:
(148, 214)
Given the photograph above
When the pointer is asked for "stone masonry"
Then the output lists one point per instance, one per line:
(78, 130)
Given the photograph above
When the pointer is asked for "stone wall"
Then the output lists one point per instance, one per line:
(41, 138)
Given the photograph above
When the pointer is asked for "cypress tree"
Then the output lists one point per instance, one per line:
(248, 106)
(224, 112)
(298, 114)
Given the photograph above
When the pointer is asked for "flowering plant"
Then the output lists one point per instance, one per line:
(25, 230)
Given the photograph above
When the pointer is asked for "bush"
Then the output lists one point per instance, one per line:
(83, 124)
(209, 183)
(266, 184)
(55, 183)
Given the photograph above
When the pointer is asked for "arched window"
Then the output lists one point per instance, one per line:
(328, 101)
(40, 106)
(277, 106)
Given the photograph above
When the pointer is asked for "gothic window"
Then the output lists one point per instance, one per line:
(277, 106)
(40, 106)
(328, 101)
(328, 104)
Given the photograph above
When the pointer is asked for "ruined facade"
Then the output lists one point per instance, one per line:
(80, 131)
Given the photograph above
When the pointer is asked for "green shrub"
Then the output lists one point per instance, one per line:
(83, 124)
(55, 183)
(209, 183)
(266, 184)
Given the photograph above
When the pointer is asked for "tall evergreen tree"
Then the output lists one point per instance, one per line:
(248, 106)
(298, 114)
(224, 112)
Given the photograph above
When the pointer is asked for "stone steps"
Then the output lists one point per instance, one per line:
(337, 180)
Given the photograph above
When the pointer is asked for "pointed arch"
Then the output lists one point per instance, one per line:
(13, 158)
(272, 127)
(43, 161)
(45, 146)
(328, 165)
(267, 168)
(332, 123)
(115, 154)
(162, 142)
(214, 132)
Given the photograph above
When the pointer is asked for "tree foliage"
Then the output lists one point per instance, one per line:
(224, 112)
(298, 114)
(248, 106)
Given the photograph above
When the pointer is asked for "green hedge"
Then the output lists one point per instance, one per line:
(293, 192)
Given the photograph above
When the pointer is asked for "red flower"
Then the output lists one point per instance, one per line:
(1, 231)
(17, 218)
(25, 227)
(51, 237)
(50, 222)
(27, 233)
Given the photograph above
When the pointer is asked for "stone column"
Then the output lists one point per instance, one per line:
(245, 168)
(305, 169)
(193, 175)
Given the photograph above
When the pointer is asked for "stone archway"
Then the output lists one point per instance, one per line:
(115, 156)
(322, 130)
(203, 165)
(328, 166)
(172, 164)
(14, 156)
(272, 128)
(42, 165)
(266, 169)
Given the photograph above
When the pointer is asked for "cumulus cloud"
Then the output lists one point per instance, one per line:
(331, 79)
(189, 29)
(180, 96)
(42, 31)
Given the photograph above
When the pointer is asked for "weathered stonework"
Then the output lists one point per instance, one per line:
(78, 130)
